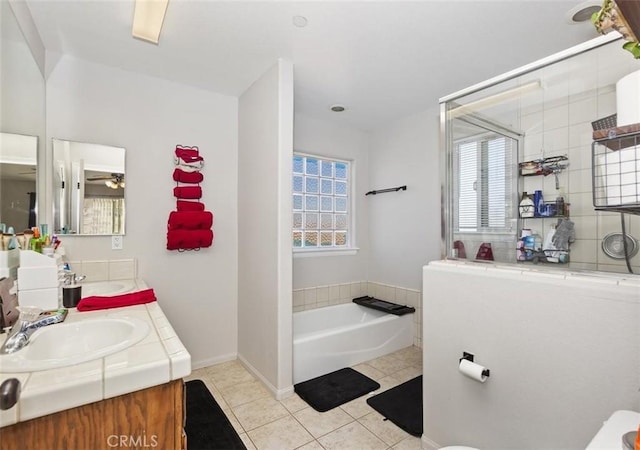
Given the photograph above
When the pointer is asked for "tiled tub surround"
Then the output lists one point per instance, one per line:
(336, 294)
(159, 358)
(105, 270)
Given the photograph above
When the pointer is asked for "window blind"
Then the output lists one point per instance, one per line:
(485, 184)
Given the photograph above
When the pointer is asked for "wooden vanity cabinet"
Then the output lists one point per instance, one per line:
(146, 419)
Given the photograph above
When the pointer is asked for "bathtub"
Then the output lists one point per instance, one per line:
(330, 338)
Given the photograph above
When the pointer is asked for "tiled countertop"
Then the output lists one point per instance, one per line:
(159, 358)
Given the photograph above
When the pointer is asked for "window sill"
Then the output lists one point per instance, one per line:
(310, 253)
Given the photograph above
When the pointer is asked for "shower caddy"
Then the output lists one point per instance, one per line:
(560, 210)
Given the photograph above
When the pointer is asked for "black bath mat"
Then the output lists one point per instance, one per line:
(207, 427)
(402, 405)
(334, 389)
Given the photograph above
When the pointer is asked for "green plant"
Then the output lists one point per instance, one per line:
(610, 18)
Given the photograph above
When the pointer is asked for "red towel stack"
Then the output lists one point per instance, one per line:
(189, 227)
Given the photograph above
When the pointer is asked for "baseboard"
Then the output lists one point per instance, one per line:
(212, 361)
(278, 394)
(428, 444)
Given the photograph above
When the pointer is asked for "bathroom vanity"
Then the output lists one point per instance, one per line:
(131, 398)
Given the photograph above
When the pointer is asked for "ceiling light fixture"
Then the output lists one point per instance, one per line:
(583, 11)
(148, 18)
(494, 99)
(337, 108)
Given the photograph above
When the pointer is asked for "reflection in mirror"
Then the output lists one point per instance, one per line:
(88, 188)
(18, 157)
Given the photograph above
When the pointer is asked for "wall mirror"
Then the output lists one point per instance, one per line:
(18, 162)
(22, 126)
(88, 188)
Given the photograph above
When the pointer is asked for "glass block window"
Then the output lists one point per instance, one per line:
(321, 202)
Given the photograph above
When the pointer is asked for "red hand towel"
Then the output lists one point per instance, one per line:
(187, 177)
(189, 239)
(190, 220)
(188, 154)
(187, 151)
(189, 159)
(184, 205)
(117, 301)
(193, 192)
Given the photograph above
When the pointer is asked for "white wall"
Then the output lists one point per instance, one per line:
(323, 138)
(264, 209)
(30, 32)
(22, 103)
(404, 226)
(563, 351)
(148, 116)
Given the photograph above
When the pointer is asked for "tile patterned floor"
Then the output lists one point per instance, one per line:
(264, 423)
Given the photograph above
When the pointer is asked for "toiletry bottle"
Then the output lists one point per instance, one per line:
(538, 202)
(537, 239)
(560, 206)
(526, 207)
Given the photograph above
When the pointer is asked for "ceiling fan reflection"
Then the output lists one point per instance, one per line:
(114, 181)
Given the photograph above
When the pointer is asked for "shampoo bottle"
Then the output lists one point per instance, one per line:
(538, 201)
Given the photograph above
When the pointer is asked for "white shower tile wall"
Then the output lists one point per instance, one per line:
(105, 270)
(335, 294)
(561, 125)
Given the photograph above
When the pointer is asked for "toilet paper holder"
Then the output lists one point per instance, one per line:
(469, 357)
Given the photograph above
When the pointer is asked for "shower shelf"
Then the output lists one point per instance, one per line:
(382, 305)
(615, 157)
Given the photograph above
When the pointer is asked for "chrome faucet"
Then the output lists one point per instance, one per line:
(28, 322)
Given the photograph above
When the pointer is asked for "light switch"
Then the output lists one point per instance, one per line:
(116, 242)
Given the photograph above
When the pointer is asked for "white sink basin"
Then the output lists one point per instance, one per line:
(108, 287)
(67, 344)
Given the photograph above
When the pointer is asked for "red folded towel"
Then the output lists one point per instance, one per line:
(189, 152)
(189, 239)
(117, 301)
(185, 205)
(193, 192)
(190, 220)
(187, 177)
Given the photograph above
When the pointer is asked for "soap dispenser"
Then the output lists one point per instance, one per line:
(526, 207)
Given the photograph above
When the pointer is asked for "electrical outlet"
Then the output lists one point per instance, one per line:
(116, 242)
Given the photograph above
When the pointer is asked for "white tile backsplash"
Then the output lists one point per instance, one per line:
(104, 270)
(95, 270)
(345, 292)
(298, 298)
(322, 294)
(310, 296)
(122, 269)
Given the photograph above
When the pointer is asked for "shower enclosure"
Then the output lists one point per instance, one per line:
(541, 112)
